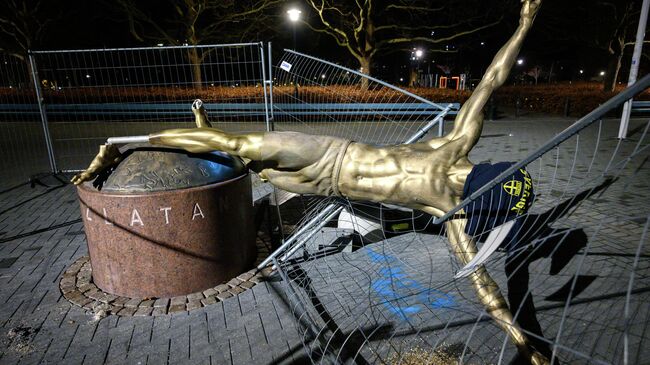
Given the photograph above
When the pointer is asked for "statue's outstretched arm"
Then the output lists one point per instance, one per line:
(206, 138)
(488, 292)
(469, 122)
(199, 140)
(110, 155)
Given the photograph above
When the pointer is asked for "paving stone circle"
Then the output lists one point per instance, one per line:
(78, 288)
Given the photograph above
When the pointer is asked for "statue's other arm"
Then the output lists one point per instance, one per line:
(469, 122)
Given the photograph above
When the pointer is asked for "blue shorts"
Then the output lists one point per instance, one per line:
(504, 202)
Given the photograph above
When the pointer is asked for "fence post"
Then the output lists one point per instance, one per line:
(270, 83)
(518, 106)
(41, 108)
(268, 104)
(264, 82)
(567, 106)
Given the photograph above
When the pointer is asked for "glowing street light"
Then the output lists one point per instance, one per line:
(294, 14)
(520, 61)
(418, 53)
(602, 73)
(582, 71)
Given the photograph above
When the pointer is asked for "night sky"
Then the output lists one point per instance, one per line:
(560, 37)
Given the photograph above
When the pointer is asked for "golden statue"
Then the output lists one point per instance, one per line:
(429, 176)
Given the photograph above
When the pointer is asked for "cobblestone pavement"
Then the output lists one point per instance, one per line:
(41, 236)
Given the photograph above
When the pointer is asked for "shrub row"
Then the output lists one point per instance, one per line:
(580, 98)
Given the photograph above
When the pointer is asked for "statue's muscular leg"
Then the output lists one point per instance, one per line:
(488, 291)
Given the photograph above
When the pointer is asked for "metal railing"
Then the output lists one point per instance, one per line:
(81, 97)
(89, 95)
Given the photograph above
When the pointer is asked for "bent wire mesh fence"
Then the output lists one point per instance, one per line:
(318, 97)
(377, 284)
(89, 95)
(23, 148)
(315, 96)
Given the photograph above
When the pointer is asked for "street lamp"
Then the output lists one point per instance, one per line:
(294, 14)
(520, 61)
(294, 17)
(416, 55)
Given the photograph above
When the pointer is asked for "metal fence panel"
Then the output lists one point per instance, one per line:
(90, 95)
(318, 97)
(23, 148)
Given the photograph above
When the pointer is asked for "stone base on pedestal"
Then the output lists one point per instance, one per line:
(78, 288)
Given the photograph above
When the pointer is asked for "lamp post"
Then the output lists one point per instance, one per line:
(634, 67)
(416, 56)
(294, 16)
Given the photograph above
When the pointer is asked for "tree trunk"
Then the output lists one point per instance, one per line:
(29, 81)
(365, 63)
(613, 68)
(195, 62)
(413, 77)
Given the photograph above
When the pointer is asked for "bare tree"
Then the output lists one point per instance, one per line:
(622, 29)
(605, 25)
(366, 27)
(23, 24)
(193, 22)
(535, 73)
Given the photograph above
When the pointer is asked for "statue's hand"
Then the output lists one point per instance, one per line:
(108, 156)
(200, 114)
(530, 8)
(197, 104)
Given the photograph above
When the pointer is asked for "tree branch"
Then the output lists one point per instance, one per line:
(425, 27)
(326, 23)
(414, 8)
(13, 54)
(440, 40)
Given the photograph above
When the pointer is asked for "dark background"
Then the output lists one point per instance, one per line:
(568, 36)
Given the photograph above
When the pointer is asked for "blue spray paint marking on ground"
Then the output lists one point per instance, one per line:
(394, 286)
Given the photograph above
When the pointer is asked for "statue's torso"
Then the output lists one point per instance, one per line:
(415, 175)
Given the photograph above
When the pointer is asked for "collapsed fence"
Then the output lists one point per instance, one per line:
(378, 284)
